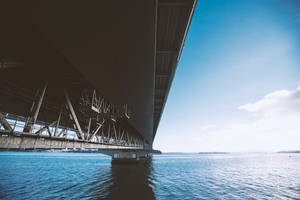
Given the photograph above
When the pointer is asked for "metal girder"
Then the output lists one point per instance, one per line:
(45, 128)
(57, 124)
(93, 104)
(115, 131)
(89, 125)
(32, 118)
(159, 100)
(160, 89)
(61, 132)
(39, 103)
(95, 132)
(21, 141)
(167, 51)
(5, 123)
(162, 75)
(168, 4)
(71, 109)
(116, 134)
(49, 131)
(122, 135)
(110, 116)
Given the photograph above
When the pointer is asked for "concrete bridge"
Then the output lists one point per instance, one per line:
(88, 74)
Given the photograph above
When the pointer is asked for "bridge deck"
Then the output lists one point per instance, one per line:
(27, 141)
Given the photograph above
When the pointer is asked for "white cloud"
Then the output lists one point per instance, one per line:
(276, 128)
(275, 103)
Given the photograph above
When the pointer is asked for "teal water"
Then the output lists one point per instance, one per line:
(168, 176)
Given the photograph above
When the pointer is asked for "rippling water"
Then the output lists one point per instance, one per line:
(167, 176)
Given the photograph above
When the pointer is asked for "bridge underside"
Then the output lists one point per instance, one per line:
(26, 141)
(88, 74)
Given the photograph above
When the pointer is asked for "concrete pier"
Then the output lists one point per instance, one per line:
(120, 156)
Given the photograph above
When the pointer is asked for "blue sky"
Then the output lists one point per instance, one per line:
(236, 86)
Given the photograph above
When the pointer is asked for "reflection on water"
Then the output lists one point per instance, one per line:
(72, 176)
(124, 181)
(132, 181)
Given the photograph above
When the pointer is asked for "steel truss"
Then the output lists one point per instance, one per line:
(92, 119)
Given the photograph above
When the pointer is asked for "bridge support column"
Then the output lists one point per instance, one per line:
(120, 156)
(125, 157)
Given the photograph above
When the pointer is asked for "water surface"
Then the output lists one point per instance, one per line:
(168, 176)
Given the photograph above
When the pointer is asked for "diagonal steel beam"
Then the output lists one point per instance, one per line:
(69, 104)
(45, 128)
(57, 124)
(61, 132)
(5, 123)
(39, 103)
(115, 131)
(108, 132)
(49, 131)
(122, 135)
(31, 120)
(102, 135)
(95, 132)
(89, 128)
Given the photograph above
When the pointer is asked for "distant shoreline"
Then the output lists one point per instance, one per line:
(297, 151)
(214, 152)
(52, 151)
(220, 152)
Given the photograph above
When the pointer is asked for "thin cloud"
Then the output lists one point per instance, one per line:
(276, 103)
(276, 128)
